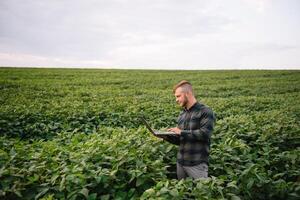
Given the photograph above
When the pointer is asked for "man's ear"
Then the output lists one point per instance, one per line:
(189, 93)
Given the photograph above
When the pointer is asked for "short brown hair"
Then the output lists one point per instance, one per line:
(187, 85)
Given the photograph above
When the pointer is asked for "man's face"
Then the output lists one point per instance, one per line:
(181, 97)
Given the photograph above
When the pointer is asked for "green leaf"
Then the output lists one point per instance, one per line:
(150, 191)
(92, 196)
(232, 184)
(84, 192)
(139, 181)
(18, 193)
(105, 197)
(234, 197)
(39, 195)
(250, 183)
(62, 184)
(53, 179)
(174, 192)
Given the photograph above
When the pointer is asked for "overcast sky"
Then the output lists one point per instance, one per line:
(157, 34)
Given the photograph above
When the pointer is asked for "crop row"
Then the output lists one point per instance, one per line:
(75, 134)
(130, 163)
(36, 121)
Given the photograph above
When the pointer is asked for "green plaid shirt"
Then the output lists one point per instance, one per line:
(194, 142)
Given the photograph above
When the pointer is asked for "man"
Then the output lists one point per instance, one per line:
(195, 126)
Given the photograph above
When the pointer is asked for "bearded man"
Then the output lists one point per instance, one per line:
(193, 133)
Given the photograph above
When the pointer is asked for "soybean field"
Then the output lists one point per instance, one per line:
(76, 134)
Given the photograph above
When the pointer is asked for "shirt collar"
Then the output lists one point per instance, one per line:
(196, 104)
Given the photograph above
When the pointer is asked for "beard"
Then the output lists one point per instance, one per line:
(184, 102)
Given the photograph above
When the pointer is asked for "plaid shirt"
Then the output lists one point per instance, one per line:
(196, 126)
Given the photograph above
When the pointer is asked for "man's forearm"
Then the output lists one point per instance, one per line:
(174, 139)
(198, 134)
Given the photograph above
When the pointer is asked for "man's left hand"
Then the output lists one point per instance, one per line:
(175, 130)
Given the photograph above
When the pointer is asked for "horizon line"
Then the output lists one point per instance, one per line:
(153, 68)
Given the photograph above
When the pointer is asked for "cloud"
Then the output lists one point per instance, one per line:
(93, 30)
(123, 33)
(29, 60)
(259, 5)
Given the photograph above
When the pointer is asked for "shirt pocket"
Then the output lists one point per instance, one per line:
(195, 122)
